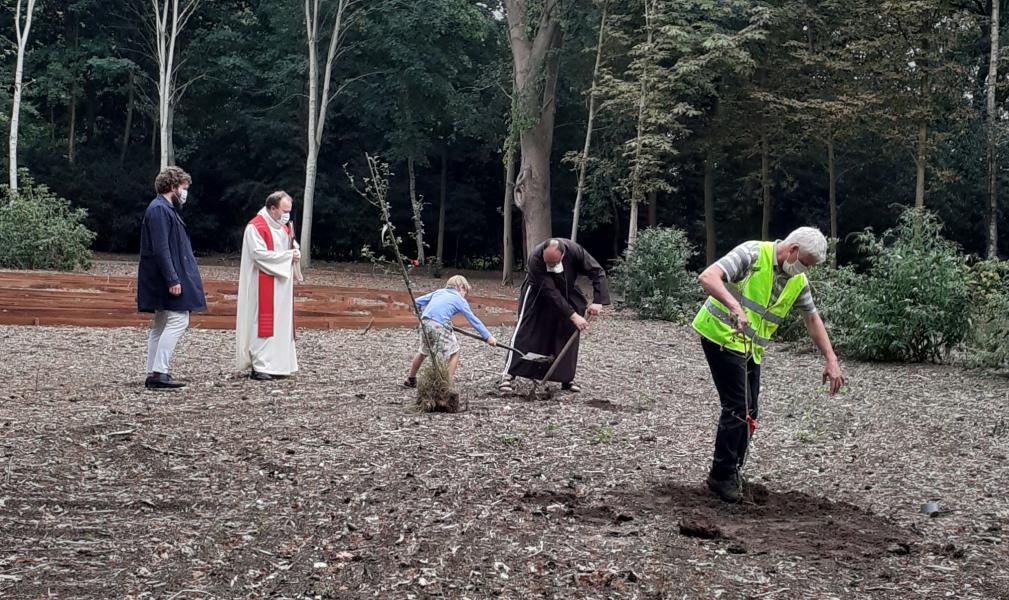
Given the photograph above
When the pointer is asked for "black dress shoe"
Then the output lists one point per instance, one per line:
(261, 376)
(162, 381)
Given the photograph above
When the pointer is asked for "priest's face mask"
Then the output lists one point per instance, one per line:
(282, 212)
(554, 259)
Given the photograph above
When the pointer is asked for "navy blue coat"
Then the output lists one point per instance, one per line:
(166, 258)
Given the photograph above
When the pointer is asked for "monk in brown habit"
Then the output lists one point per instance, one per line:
(551, 308)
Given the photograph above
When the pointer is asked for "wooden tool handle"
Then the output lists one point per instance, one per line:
(477, 337)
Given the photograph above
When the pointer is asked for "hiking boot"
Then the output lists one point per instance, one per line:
(726, 489)
(410, 382)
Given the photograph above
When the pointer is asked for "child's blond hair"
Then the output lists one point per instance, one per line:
(458, 282)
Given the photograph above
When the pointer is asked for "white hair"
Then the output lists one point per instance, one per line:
(810, 241)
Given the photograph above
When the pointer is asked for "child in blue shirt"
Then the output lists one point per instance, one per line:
(437, 310)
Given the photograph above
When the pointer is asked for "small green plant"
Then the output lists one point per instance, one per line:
(39, 230)
(653, 275)
(602, 435)
(512, 440)
(553, 428)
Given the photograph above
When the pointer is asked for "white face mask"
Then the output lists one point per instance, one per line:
(285, 218)
(558, 268)
(183, 195)
(794, 268)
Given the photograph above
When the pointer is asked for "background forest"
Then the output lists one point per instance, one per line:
(728, 119)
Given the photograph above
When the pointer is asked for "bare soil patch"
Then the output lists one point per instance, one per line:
(325, 485)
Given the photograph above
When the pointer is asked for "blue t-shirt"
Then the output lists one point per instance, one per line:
(441, 305)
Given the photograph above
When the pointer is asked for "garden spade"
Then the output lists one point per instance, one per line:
(530, 356)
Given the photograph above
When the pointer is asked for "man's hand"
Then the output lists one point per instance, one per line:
(594, 310)
(739, 317)
(175, 290)
(579, 322)
(491, 341)
(832, 374)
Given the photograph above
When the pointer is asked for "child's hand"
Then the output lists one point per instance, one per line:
(491, 341)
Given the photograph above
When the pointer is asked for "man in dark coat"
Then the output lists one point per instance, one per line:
(551, 308)
(168, 281)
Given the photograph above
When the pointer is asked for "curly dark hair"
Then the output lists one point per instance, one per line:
(170, 178)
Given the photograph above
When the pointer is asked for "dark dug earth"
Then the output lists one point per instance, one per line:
(326, 486)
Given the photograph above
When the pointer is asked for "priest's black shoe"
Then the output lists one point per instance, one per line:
(261, 376)
(162, 381)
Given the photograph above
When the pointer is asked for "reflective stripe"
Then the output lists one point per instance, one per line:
(755, 307)
(724, 317)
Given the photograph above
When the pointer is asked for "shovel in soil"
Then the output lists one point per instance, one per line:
(530, 356)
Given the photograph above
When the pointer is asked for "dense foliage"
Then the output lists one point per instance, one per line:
(653, 277)
(39, 230)
(760, 108)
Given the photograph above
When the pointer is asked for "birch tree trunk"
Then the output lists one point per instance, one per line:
(417, 205)
(169, 19)
(992, 84)
(535, 53)
(318, 103)
(583, 163)
(22, 31)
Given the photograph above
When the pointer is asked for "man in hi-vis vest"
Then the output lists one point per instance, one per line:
(750, 291)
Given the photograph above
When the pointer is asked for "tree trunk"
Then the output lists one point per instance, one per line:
(129, 121)
(709, 207)
(536, 63)
(832, 194)
(443, 191)
(418, 207)
(318, 102)
(636, 183)
(22, 46)
(765, 188)
(992, 133)
(154, 137)
(171, 134)
(72, 134)
(919, 161)
(507, 250)
(583, 163)
(653, 208)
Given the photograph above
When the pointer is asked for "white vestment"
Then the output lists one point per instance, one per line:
(274, 355)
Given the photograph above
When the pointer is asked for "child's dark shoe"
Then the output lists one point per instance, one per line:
(410, 382)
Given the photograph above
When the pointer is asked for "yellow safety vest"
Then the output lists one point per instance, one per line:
(714, 322)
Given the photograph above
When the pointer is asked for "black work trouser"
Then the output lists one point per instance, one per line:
(729, 371)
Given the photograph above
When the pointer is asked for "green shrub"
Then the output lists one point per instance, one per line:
(653, 275)
(833, 293)
(989, 340)
(914, 303)
(39, 230)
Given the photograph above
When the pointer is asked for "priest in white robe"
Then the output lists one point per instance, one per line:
(265, 320)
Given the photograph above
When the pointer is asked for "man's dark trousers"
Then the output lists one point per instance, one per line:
(729, 370)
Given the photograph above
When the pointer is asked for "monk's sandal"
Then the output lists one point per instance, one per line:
(571, 386)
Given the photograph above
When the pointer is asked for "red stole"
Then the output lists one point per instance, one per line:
(265, 317)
